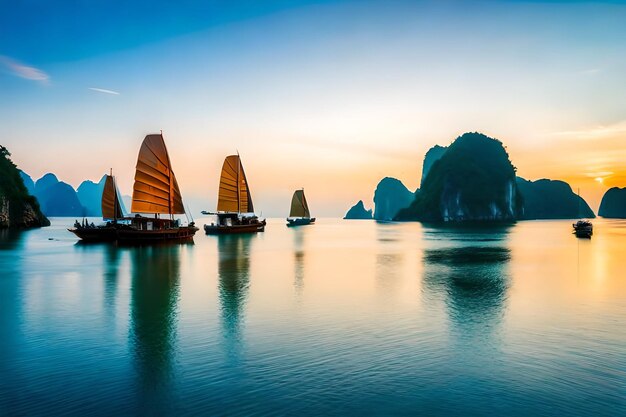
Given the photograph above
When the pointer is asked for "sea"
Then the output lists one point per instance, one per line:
(336, 318)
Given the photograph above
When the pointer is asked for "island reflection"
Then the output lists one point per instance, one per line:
(468, 269)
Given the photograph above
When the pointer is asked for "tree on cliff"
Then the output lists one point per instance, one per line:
(23, 209)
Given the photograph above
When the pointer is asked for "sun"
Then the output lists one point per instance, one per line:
(600, 180)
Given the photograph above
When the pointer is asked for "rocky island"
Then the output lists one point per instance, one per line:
(473, 180)
(390, 197)
(551, 199)
(358, 212)
(18, 209)
(613, 204)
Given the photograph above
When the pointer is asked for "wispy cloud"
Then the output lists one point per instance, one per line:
(590, 71)
(594, 132)
(104, 90)
(23, 71)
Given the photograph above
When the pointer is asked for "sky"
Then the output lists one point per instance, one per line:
(331, 96)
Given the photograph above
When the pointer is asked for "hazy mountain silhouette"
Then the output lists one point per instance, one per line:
(57, 198)
(550, 199)
(473, 180)
(18, 208)
(61, 200)
(613, 204)
(390, 197)
(90, 196)
(358, 212)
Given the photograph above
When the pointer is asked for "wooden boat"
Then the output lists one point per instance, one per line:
(155, 192)
(235, 211)
(299, 215)
(112, 213)
(583, 228)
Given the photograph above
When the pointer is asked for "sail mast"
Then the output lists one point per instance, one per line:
(114, 195)
(238, 183)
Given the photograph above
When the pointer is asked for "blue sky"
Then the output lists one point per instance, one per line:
(331, 96)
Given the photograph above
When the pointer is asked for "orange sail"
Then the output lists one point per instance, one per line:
(111, 207)
(234, 194)
(155, 189)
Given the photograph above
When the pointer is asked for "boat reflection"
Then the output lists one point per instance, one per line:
(298, 258)
(153, 313)
(234, 282)
(468, 269)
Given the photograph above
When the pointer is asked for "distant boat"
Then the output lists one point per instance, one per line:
(111, 212)
(582, 228)
(299, 215)
(155, 192)
(235, 211)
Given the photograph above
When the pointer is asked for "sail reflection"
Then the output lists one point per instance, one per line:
(389, 259)
(153, 312)
(234, 281)
(298, 256)
(469, 270)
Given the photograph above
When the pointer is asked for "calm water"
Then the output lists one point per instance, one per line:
(337, 318)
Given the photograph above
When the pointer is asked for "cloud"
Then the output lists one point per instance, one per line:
(594, 132)
(105, 91)
(23, 71)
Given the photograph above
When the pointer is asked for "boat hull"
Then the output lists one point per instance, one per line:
(96, 234)
(234, 229)
(586, 234)
(301, 221)
(583, 229)
(135, 236)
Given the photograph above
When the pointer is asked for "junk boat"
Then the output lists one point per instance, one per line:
(299, 215)
(235, 211)
(583, 228)
(155, 192)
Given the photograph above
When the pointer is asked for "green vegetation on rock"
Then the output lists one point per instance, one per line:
(17, 207)
(473, 180)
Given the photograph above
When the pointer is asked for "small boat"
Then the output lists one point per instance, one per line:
(299, 215)
(112, 213)
(583, 228)
(155, 192)
(235, 211)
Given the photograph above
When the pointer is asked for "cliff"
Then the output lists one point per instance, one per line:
(18, 209)
(613, 204)
(473, 180)
(358, 212)
(433, 155)
(390, 197)
(550, 199)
